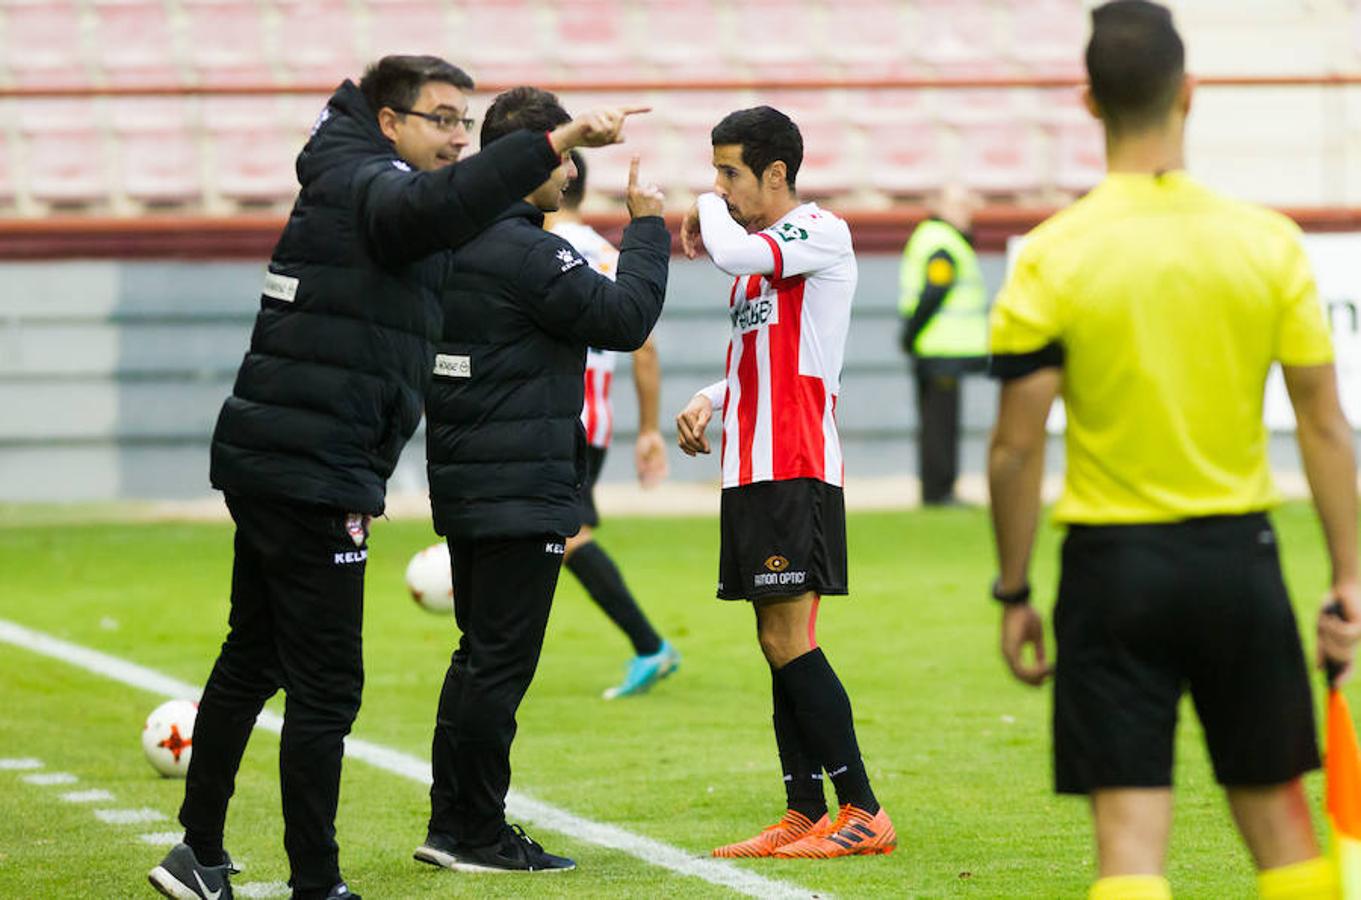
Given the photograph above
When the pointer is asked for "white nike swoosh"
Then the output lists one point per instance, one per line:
(203, 889)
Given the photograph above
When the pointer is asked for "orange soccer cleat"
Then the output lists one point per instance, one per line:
(791, 828)
(854, 833)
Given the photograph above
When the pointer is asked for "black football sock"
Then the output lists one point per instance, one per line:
(825, 721)
(802, 777)
(600, 577)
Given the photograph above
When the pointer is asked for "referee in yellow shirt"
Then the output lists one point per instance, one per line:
(1155, 308)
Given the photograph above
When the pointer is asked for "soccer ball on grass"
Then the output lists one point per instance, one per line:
(168, 737)
(430, 579)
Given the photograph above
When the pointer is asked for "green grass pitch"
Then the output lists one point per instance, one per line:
(957, 751)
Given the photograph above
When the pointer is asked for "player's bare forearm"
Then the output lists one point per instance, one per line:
(1016, 471)
(647, 380)
(1329, 459)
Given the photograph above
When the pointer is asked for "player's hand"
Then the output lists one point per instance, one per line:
(691, 239)
(1022, 626)
(690, 425)
(1339, 635)
(596, 128)
(643, 199)
(649, 455)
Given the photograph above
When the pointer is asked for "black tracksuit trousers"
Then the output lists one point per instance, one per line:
(296, 612)
(503, 590)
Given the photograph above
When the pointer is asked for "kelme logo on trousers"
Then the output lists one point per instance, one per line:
(352, 556)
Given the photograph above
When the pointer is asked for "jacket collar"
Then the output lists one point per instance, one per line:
(523, 209)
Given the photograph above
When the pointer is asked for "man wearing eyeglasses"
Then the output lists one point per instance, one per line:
(328, 393)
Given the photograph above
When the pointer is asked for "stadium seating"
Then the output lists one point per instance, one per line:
(134, 43)
(228, 41)
(1015, 142)
(41, 46)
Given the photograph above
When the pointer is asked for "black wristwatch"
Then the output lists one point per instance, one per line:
(1014, 598)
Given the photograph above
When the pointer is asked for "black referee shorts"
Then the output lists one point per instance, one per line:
(595, 461)
(1145, 611)
(782, 539)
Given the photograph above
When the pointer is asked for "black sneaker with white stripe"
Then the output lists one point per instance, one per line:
(514, 851)
(181, 876)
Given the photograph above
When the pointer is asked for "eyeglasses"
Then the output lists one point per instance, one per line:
(442, 121)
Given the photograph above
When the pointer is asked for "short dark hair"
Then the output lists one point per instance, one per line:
(766, 135)
(1136, 63)
(396, 81)
(576, 188)
(522, 107)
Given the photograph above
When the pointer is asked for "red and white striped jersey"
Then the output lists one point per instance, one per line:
(597, 415)
(789, 330)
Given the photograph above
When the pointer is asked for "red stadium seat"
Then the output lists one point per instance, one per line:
(318, 41)
(592, 41)
(413, 26)
(502, 42)
(1079, 153)
(867, 38)
(42, 44)
(771, 40)
(684, 38)
(956, 37)
(66, 167)
(160, 167)
(829, 166)
(255, 167)
(134, 42)
(998, 159)
(127, 114)
(1047, 37)
(227, 42)
(903, 157)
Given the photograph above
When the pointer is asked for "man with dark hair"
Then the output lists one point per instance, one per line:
(783, 518)
(506, 455)
(654, 658)
(326, 397)
(1156, 308)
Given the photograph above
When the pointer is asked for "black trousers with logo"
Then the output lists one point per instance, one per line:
(503, 590)
(296, 613)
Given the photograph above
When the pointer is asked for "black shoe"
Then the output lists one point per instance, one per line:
(439, 849)
(181, 876)
(514, 851)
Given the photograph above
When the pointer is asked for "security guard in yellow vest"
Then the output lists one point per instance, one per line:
(943, 303)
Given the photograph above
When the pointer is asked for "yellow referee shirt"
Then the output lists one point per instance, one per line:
(1166, 305)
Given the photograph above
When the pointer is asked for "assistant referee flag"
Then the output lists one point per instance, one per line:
(1342, 771)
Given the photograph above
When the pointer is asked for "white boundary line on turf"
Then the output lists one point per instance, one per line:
(519, 805)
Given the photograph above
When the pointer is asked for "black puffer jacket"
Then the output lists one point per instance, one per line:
(504, 443)
(332, 385)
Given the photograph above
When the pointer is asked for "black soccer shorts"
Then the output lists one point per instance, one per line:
(782, 539)
(1145, 611)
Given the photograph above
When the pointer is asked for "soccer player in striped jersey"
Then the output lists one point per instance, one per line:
(654, 658)
(783, 518)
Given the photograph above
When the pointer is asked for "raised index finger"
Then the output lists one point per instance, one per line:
(633, 173)
(634, 110)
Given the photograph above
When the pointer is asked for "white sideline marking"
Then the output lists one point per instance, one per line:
(161, 838)
(261, 889)
(45, 778)
(16, 765)
(98, 795)
(129, 816)
(518, 805)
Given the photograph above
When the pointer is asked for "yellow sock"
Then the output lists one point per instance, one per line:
(1313, 879)
(1131, 887)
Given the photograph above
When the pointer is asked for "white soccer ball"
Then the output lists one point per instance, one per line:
(430, 579)
(168, 737)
